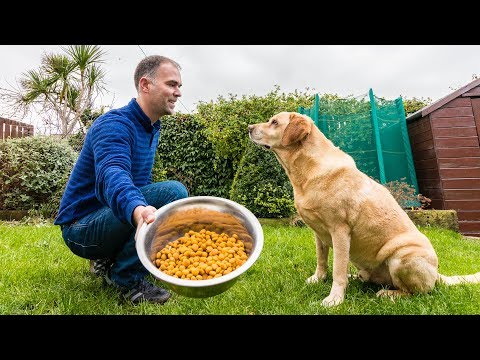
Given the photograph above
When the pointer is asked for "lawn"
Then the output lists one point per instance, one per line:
(39, 275)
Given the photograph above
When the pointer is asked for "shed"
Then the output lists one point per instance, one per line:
(444, 137)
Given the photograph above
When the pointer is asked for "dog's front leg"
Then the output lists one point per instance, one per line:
(322, 261)
(341, 258)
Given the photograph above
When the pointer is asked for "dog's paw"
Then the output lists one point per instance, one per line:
(315, 278)
(391, 294)
(332, 300)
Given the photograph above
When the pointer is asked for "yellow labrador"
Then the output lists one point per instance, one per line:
(351, 213)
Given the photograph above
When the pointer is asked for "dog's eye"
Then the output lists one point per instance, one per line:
(274, 122)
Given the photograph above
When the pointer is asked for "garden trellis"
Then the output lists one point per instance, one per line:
(370, 129)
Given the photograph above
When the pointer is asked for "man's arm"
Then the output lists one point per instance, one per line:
(113, 143)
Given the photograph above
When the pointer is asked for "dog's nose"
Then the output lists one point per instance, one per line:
(250, 128)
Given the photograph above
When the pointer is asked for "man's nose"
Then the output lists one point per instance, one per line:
(177, 92)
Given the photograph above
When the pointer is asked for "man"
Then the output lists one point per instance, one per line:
(110, 194)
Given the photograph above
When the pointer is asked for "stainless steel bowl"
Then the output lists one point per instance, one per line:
(173, 219)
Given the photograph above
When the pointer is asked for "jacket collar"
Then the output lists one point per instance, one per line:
(142, 118)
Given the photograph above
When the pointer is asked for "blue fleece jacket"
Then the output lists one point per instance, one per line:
(116, 159)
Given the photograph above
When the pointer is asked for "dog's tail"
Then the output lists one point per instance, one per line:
(459, 279)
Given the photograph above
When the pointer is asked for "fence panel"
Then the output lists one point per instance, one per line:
(14, 129)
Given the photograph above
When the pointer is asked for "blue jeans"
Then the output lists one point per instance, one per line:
(101, 235)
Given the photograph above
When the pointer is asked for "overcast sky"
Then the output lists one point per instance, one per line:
(422, 71)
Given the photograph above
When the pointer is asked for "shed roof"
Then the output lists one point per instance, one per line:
(439, 103)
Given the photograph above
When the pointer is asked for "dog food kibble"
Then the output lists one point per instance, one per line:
(201, 255)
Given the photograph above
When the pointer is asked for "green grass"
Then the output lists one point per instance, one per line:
(39, 275)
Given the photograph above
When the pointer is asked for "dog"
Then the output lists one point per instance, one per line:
(351, 213)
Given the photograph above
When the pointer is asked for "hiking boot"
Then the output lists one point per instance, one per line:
(99, 267)
(142, 291)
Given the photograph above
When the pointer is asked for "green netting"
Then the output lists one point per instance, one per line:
(372, 130)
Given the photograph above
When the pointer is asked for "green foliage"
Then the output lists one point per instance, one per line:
(414, 104)
(33, 172)
(273, 201)
(185, 154)
(333, 104)
(261, 185)
(159, 173)
(227, 120)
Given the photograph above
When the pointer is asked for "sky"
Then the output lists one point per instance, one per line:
(208, 71)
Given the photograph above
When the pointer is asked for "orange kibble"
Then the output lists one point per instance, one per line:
(202, 254)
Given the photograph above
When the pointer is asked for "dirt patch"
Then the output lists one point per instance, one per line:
(10, 215)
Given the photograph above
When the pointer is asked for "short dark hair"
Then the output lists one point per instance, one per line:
(149, 65)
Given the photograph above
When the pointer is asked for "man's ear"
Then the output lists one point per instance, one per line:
(296, 130)
(143, 84)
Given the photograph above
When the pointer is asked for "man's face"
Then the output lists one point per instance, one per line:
(165, 90)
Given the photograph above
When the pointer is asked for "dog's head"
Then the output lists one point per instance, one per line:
(282, 130)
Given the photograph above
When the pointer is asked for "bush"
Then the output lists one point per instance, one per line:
(226, 121)
(33, 173)
(262, 186)
(185, 154)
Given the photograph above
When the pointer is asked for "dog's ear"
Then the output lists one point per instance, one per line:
(296, 130)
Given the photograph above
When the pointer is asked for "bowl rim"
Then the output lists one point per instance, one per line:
(140, 236)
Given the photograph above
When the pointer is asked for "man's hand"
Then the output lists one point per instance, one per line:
(143, 214)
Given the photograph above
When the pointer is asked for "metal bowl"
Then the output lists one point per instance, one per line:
(193, 213)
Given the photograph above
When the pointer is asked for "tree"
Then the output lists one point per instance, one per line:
(61, 89)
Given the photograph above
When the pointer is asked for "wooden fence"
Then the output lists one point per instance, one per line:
(14, 129)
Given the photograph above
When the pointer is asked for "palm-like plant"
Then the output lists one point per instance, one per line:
(63, 88)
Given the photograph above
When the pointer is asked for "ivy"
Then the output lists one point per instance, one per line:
(185, 154)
